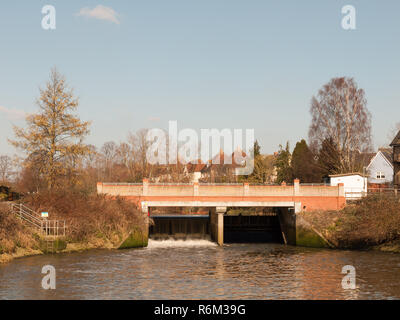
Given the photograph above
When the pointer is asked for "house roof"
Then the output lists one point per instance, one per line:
(388, 154)
(396, 140)
(232, 159)
(348, 174)
(196, 166)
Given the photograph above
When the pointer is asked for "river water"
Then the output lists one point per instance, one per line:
(198, 269)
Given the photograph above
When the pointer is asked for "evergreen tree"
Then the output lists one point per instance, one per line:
(283, 165)
(304, 164)
(329, 158)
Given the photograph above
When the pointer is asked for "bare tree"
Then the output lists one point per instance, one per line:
(339, 112)
(109, 153)
(5, 168)
(139, 146)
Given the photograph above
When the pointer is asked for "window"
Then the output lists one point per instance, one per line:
(380, 175)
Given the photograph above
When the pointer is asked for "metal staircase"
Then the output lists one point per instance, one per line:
(54, 228)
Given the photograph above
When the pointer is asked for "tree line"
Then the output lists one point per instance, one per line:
(56, 155)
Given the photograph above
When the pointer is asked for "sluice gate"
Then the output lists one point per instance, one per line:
(252, 229)
(180, 227)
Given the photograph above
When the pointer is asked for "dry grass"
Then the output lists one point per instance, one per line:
(13, 234)
(89, 218)
(371, 221)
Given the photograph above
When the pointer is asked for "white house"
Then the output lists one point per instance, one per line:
(380, 168)
(355, 184)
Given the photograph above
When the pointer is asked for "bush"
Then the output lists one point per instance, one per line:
(89, 217)
(13, 233)
(371, 221)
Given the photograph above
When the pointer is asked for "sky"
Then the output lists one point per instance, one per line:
(251, 64)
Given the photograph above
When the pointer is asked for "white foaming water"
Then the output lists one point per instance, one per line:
(171, 243)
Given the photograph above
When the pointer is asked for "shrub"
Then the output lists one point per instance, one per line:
(370, 221)
(13, 233)
(89, 216)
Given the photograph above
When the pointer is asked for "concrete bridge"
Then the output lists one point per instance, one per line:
(290, 199)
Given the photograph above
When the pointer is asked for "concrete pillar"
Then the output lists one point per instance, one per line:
(145, 207)
(246, 189)
(220, 211)
(297, 207)
(99, 187)
(196, 189)
(287, 222)
(296, 187)
(341, 190)
(145, 187)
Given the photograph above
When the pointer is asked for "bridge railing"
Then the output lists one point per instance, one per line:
(219, 189)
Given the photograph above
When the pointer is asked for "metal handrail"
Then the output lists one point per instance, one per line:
(46, 227)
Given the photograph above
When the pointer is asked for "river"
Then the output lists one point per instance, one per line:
(198, 269)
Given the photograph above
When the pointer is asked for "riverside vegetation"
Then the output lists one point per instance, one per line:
(96, 221)
(370, 223)
(93, 221)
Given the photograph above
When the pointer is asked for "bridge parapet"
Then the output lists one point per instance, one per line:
(306, 197)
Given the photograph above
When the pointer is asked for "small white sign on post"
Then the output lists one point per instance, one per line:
(45, 214)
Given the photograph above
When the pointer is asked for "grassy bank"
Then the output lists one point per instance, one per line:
(16, 240)
(370, 223)
(93, 221)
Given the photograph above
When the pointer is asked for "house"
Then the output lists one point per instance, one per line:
(221, 168)
(380, 168)
(355, 184)
(396, 160)
(196, 170)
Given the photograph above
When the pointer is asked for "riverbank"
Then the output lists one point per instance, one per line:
(372, 223)
(93, 222)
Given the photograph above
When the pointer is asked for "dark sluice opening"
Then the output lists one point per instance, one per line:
(180, 228)
(252, 229)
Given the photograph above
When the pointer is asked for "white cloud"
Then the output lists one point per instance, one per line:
(100, 12)
(13, 114)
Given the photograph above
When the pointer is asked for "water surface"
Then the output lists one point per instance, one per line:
(198, 269)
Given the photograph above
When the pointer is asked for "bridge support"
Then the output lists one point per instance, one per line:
(217, 224)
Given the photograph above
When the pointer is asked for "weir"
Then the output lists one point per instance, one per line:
(218, 226)
(288, 201)
(180, 227)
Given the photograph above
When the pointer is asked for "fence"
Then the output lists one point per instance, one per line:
(33, 219)
(353, 194)
(393, 191)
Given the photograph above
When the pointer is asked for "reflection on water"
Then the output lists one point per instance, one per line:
(198, 269)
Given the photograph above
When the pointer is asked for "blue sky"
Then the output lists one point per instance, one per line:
(207, 64)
